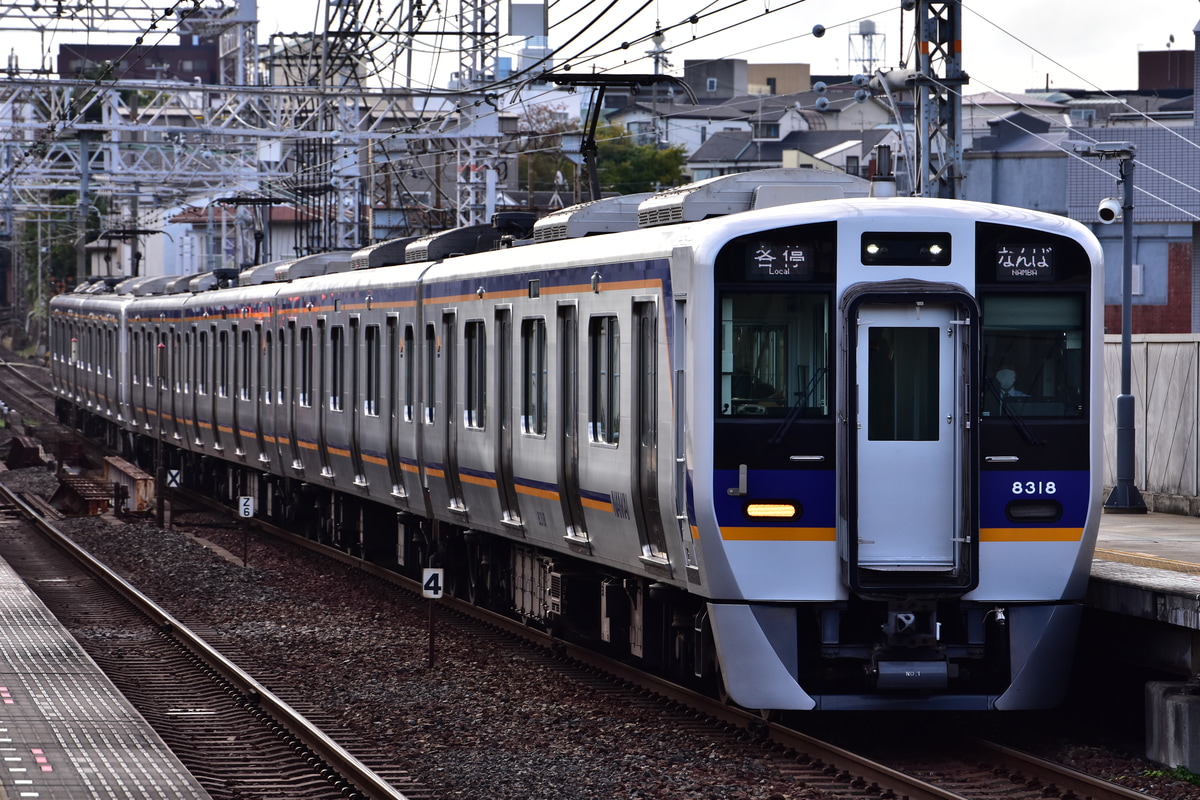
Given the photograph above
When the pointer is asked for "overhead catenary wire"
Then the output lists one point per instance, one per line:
(583, 58)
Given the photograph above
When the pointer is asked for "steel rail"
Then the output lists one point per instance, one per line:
(364, 779)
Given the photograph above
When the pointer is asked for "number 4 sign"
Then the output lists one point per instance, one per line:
(432, 581)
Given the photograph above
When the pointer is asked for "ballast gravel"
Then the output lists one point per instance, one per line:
(487, 720)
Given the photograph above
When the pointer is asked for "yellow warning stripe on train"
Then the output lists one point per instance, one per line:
(764, 534)
(1030, 534)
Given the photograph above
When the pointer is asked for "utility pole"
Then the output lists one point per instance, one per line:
(939, 97)
(81, 213)
(1125, 497)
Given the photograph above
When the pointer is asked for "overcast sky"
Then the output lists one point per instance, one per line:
(1009, 45)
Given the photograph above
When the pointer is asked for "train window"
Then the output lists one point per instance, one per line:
(110, 353)
(202, 363)
(903, 378)
(337, 367)
(476, 400)
(176, 352)
(371, 400)
(265, 367)
(135, 366)
(222, 364)
(306, 366)
(160, 362)
(1033, 354)
(286, 337)
(604, 400)
(534, 388)
(409, 354)
(245, 356)
(431, 353)
(774, 354)
(151, 362)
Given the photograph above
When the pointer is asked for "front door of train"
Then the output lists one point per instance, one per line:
(909, 515)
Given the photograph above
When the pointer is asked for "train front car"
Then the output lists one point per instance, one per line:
(905, 452)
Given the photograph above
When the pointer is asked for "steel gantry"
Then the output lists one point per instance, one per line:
(939, 97)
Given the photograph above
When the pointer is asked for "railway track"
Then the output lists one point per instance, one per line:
(985, 771)
(238, 737)
(928, 768)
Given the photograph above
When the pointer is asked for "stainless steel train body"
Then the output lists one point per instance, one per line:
(779, 450)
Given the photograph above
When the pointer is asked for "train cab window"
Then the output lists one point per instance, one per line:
(604, 388)
(773, 354)
(534, 383)
(1033, 355)
(475, 401)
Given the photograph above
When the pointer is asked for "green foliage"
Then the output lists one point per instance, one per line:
(57, 237)
(1177, 774)
(627, 168)
(541, 158)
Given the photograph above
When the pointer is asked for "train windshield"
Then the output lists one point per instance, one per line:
(774, 350)
(1033, 355)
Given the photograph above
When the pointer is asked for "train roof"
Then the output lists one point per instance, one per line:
(702, 200)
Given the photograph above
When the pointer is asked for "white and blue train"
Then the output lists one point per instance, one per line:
(816, 449)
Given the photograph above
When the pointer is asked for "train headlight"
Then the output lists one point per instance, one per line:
(772, 510)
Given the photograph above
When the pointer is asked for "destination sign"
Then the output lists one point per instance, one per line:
(1024, 262)
(773, 261)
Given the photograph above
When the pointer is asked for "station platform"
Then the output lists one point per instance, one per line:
(1161, 541)
(65, 729)
(1147, 567)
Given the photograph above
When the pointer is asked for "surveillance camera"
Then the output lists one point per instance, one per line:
(1109, 210)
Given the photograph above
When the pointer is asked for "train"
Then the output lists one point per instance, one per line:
(781, 435)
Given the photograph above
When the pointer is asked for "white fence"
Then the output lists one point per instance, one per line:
(1164, 370)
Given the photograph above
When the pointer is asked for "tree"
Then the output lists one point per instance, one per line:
(627, 168)
(541, 159)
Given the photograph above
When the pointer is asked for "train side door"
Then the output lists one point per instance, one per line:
(505, 481)
(645, 421)
(355, 403)
(261, 394)
(568, 416)
(910, 414)
(397, 401)
(200, 384)
(453, 416)
(240, 392)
